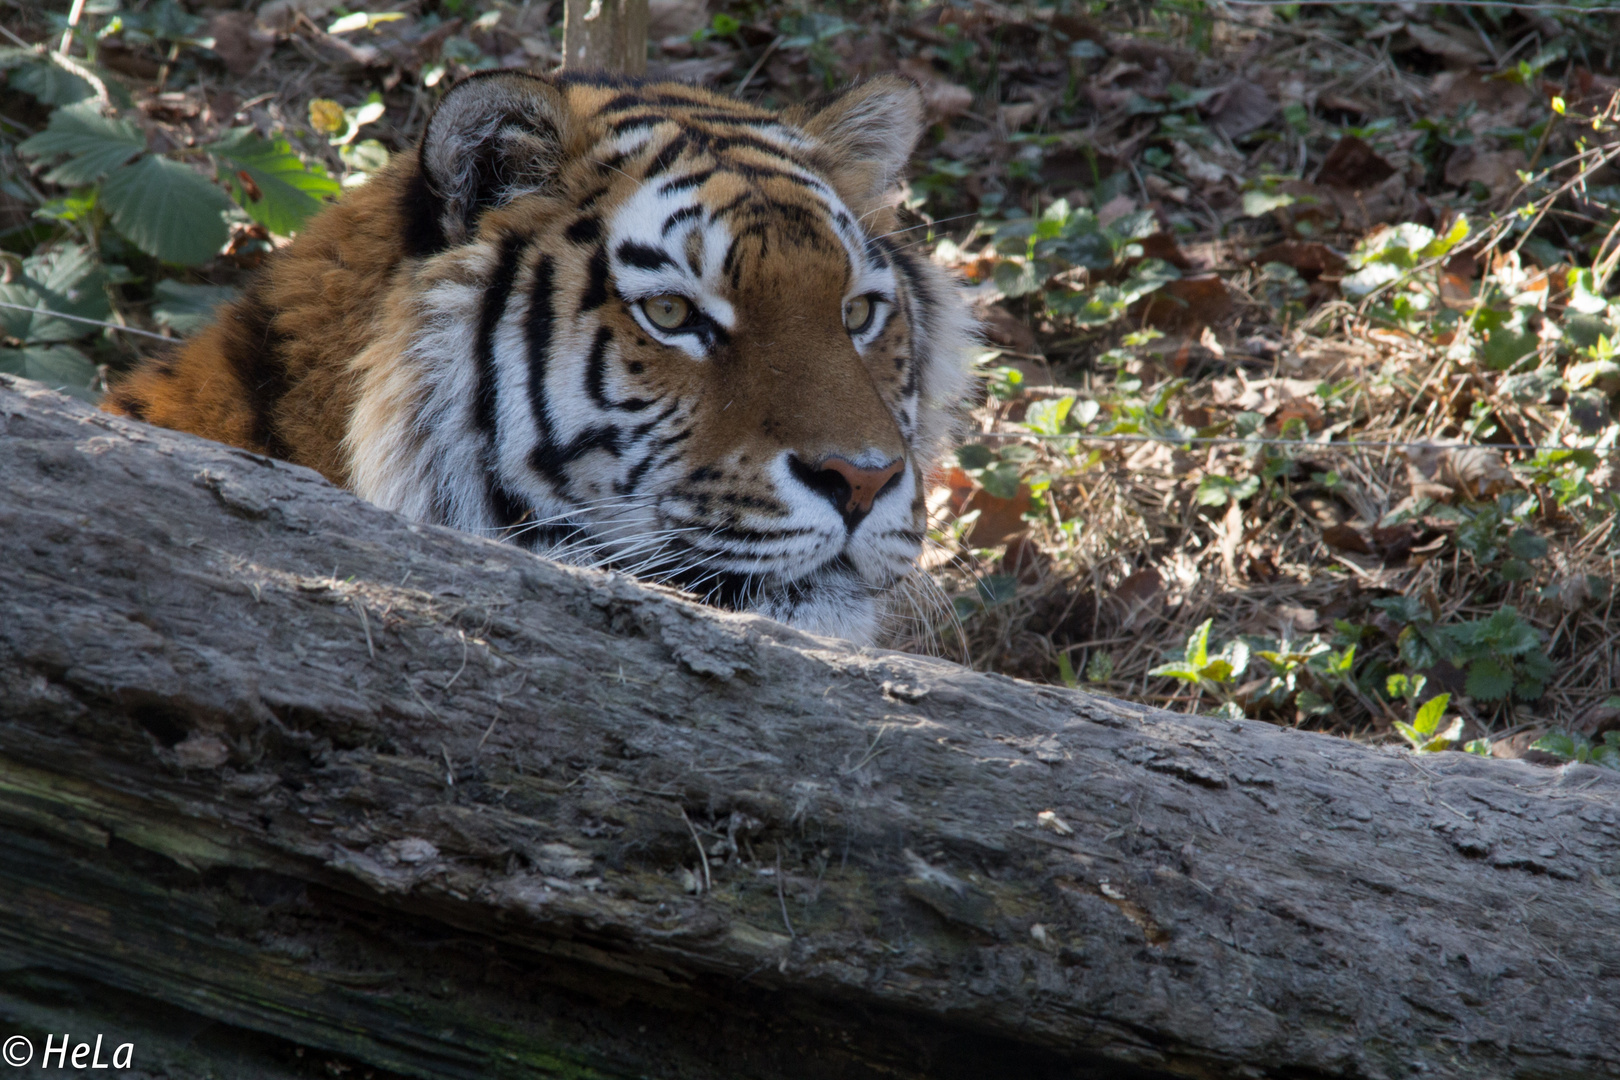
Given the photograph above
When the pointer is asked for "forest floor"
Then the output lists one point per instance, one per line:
(1300, 366)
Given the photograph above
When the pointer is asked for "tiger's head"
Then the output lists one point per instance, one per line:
(657, 329)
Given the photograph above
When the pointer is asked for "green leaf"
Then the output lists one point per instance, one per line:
(1197, 654)
(94, 144)
(1218, 490)
(1556, 742)
(1489, 680)
(60, 367)
(1442, 245)
(289, 191)
(1176, 669)
(167, 210)
(1001, 480)
(1503, 348)
(1430, 713)
(65, 279)
(51, 83)
(1015, 278)
(974, 456)
(997, 589)
(1260, 203)
(1047, 417)
(1482, 747)
(186, 309)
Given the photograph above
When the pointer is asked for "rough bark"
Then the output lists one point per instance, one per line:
(290, 785)
(605, 35)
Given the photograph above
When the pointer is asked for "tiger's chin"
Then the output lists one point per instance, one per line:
(833, 600)
(832, 603)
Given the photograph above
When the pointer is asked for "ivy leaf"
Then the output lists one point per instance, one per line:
(185, 309)
(280, 192)
(167, 210)
(94, 144)
(60, 367)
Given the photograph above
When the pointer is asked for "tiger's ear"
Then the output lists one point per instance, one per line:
(493, 138)
(865, 136)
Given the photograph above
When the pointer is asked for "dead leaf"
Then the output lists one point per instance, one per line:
(1355, 165)
(1025, 560)
(1497, 169)
(239, 41)
(1441, 471)
(943, 99)
(1309, 258)
(675, 18)
(1016, 115)
(1242, 107)
(1002, 327)
(1141, 594)
(1116, 208)
(998, 518)
(1195, 166)
(1453, 49)
(1346, 538)
(281, 15)
(701, 70)
(1188, 302)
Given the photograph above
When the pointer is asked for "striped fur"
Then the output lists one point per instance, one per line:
(464, 340)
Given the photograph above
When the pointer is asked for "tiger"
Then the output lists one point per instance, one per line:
(633, 324)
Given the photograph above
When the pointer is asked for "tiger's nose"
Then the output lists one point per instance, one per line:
(850, 488)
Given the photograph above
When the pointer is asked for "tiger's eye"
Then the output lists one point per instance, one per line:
(858, 313)
(668, 312)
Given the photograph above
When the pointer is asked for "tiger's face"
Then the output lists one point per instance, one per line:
(662, 331)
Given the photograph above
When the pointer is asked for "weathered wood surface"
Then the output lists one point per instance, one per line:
(605, 35)
(280, 770)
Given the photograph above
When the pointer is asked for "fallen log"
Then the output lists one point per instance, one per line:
(291, 786)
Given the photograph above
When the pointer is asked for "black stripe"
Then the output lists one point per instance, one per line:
(746, 120)
(596, 293)
(585, 230)
(741, 200)
(679, 216)
(507, 509)
(666, 157)
(719, 144)
(643, 257)
(254, 353)
(549, 459)
(496, 293)
(538, 331)
(639, 120)
(636, 101)
(687, 182)
(590, 200)
(632, 480)
(596, 377)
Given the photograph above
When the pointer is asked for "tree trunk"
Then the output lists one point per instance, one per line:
(605, 35)
(291, 786)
